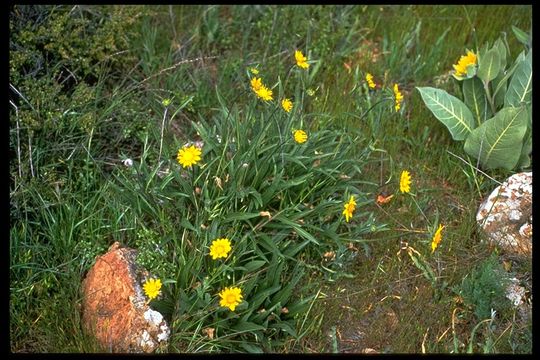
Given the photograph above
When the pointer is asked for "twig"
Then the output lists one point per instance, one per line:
(21, 95)
(175, 66)
(480, 171)
(424, 341)
(30, 154)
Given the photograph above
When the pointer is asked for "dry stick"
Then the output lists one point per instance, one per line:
(480, 171)
(30, 153)
(175, 66)
(18, 137)
(29, 139)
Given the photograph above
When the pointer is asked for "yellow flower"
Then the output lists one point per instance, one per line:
(398, 97)
(256, 84)
(286, 104)
(405, 182)
(300, 136)
(152, 288)
(264, 93)
(369, 80)
(260, 90)
(464, 62)
(436, 238)
(230, 297)
(188, 156)
(220, 248)
(349, 208)
(254, 71)
(301, 60)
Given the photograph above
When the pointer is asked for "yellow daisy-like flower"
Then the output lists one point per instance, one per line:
(369, 80)
(256, 84)
(254, 71)
(405, 182)
(264, 93)
(220, 248)
(189, 155)
(398, 96)
(230, 297)
(260, 90)
(436, 238)
(286, 104)
(300, 136)
(464, 62)
(349, 208)
(301, 60)
(152, 288)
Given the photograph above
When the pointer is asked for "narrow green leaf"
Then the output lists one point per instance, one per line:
(285, 327)
(520, 89)
(497, 143)
(250, 348)
(489, 66)
(451, 111)
(245, 326)
(240, 216)
(259, 298)
(254, 265)
(476, 100)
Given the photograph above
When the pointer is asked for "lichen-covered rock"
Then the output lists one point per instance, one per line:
(506, 215)
(114, 306)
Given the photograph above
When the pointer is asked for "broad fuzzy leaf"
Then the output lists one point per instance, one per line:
(489, 65)
(475, 98)
(497, 143)
(520, 88)
(451, 111)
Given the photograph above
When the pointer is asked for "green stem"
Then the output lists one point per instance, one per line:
(419, 208)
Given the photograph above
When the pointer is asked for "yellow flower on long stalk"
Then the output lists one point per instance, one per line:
(437, 238)
(286, 104)
(220, 248)
(231, 297)
(349, 208)
(264, 93)
(405, 182)
(398, 97)
(464, 62)
(301, 60)
(152, 288)
(260, 90)
(188, 156)
(256, 84)
(300, 136)
(369, 80)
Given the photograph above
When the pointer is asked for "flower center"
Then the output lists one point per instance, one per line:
(231, 298)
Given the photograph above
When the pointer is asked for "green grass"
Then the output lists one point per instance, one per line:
(73, 122)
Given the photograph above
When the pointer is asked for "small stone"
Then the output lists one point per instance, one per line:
(115, 310)
(506, 215)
